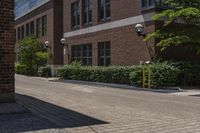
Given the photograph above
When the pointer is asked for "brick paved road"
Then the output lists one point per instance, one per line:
(93, 109)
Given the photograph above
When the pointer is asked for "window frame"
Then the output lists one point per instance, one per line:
(44, 25)
(38, 27)
(77, 52)
(105, 8)
(105, 57)
(147, 5)
(75, 15)
(87, 12)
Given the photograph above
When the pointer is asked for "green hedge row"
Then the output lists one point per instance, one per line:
(162, 74)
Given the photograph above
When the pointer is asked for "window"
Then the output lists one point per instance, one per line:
(104, 53)
(75, 15)
(27, 29)
(82, 53)
(104, 9)
(32, 28)
(87, 12)
(18, 33)
(147, 3)
(22, 32)
(44, 25)
(38, 29)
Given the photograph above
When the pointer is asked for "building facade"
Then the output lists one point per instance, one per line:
(44, 19)
(7, 42)
(101, 32)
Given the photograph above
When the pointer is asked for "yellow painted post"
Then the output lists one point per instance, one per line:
(149, 76)
(143, 75)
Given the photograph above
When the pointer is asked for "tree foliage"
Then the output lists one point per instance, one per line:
(31, 54)
(185, 14)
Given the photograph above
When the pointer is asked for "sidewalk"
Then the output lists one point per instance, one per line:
(15, 118)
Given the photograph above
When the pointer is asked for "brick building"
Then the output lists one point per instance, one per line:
(7, 41)
(101, 32)
(97, 32)
(44, 19)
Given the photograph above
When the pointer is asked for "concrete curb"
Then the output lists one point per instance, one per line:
(120, 86)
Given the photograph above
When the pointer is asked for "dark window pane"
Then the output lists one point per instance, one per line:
(75, 15)
(32, 27)
(18, 33)
(27, 29)
(83, 53)
(38, 29)
(104, 53)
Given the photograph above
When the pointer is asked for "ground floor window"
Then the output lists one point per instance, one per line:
(104, 53)
(82, 53)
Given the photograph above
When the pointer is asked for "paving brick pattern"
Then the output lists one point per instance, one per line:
(93, 109)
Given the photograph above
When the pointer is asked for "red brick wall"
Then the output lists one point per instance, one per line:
(126, 47)
(7, 39)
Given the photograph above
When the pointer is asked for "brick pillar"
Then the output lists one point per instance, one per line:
(7, 40)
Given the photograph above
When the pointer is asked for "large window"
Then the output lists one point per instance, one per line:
(104, 9)
(32, 30)
(82, 53)
(27, 29)
(44, 25)
(38, 27)
(87, 12)
(104, 53)
(75, 15)
(147, 3)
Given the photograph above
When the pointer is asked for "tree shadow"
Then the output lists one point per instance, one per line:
(43, 116)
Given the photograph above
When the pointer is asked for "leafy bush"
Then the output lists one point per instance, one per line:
(189, 73)
(112, 74)
(162, 74)
(20, 69)
(31, 55)
(44, 71)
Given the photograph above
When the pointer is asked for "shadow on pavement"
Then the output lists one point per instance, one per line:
(61, 117)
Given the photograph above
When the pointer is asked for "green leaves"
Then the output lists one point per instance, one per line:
(181, 24)
(31, 54)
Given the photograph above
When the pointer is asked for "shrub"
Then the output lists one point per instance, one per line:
(20, 69)
(112, 74)
(189, 73)
(162, 74)
(44, 71)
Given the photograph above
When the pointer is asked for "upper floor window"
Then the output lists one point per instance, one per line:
(44, 25)
(87, 11)
(75, 15)
(147, 3)
(38, 28)
(104, 9)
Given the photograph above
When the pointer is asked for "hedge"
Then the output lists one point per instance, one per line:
(162, 74)
(113, 74)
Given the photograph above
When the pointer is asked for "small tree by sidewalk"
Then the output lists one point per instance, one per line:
(31, 55)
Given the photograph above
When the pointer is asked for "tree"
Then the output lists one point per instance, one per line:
(185, 14)
(31, 54)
